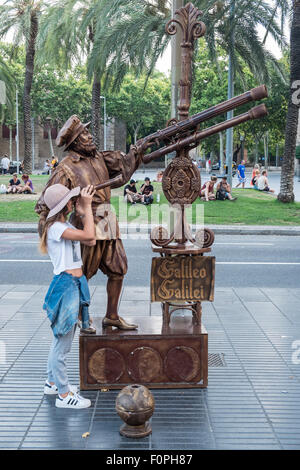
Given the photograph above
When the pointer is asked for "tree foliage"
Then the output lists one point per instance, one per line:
(144, 110)
(210, 88)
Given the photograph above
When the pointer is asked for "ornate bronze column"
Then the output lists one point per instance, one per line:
(181, 181)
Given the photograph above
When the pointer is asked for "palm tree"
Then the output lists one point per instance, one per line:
(23, 18)
(7, 90)
(288, 166)
(66, 37)
(69, 31)
(7, 102)
(135, 35)
(130, 37)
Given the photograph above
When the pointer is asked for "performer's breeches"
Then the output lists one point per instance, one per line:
(107, 255)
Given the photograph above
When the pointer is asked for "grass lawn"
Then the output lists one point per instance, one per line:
(251, 208)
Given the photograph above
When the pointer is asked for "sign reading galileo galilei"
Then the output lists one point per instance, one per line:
(183, 278)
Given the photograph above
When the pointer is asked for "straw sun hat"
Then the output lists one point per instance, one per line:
(57, 196)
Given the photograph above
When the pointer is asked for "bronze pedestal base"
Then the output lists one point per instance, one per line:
(156, 355)
(136, 431)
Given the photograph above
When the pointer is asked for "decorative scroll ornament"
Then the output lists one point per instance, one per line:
(188, 21)
(204, 238)
(160, 236)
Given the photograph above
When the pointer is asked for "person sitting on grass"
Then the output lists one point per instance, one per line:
(130, 193)
(263, 183)
(255, 179)
(13, 184)
(146, 192)
(207, 190)
(28, 185)
(159, 176)
(224, 190)
(254, 173)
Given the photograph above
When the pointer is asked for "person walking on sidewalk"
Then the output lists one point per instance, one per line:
(68, 291)
(241, 174)
(5, 164)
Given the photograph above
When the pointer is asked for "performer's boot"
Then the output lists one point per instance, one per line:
(114, 289)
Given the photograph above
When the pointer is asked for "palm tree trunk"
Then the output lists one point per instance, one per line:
(288, 165)
(96, 111)
(30, 53)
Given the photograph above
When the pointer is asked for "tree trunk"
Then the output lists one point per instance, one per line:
(136, 130)
(277, 155)
(30, 53)
(288, 165)
(96, 112)
(50, 141)
(256, 150)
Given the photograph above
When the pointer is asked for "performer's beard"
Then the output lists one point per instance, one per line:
(83, 148)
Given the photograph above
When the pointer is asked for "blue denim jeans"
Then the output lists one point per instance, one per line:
(63, 300)
(56, 370)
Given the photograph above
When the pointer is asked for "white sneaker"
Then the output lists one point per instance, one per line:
(52, 389)
(72, 400)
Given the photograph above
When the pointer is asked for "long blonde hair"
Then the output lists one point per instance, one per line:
(62, 215)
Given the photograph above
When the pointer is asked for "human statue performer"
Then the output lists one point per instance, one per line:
(84, 165)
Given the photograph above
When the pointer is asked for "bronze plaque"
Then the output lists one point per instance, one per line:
(183, 278)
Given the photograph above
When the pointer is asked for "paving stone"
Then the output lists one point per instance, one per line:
(245, 406)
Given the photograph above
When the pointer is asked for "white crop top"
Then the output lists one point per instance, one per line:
(64, 254)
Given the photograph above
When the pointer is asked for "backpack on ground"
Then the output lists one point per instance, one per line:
(221, 195)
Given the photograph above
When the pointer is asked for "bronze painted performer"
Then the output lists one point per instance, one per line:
(84, 165)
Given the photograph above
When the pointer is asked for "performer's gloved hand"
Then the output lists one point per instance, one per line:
(141, 147)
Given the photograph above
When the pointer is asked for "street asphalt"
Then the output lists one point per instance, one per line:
(241, 261)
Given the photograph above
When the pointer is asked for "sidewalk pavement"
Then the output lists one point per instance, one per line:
(132, 228)
(252, 400)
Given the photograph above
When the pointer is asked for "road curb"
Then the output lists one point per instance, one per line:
(144, 229)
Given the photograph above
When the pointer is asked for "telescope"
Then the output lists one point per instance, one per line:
(185, 134)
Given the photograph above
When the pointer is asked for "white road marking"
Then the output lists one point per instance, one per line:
(245, 244)
(20, 243)
(255, 263)
(25, 260)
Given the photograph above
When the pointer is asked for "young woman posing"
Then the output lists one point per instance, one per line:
(68, 291)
